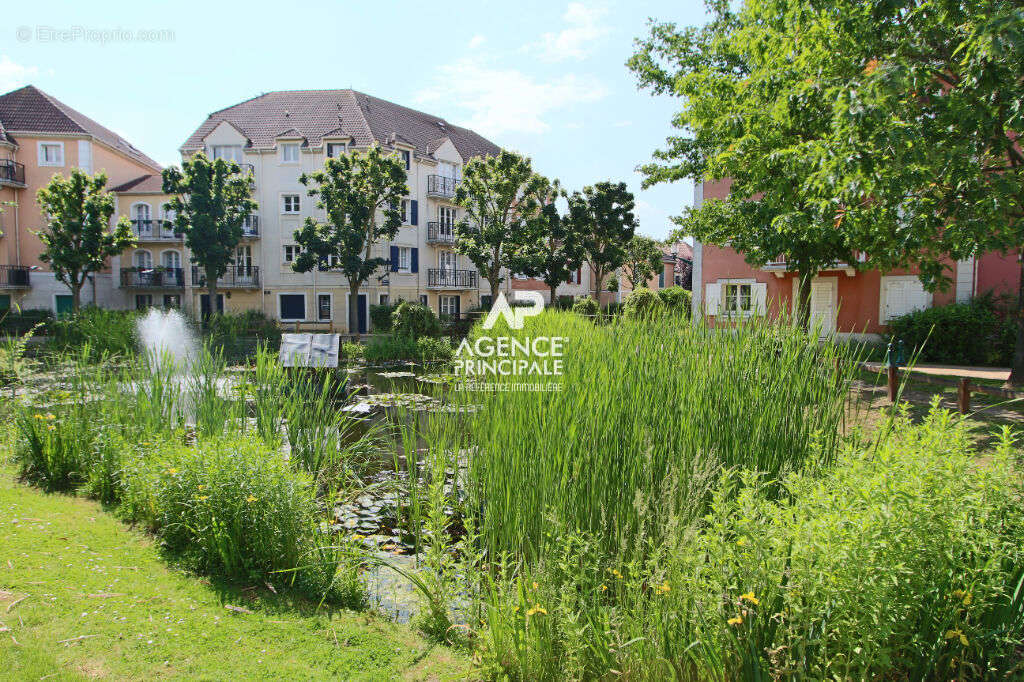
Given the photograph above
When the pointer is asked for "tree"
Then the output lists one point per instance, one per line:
(553, 251)
(602, 214)
(642, 261)
(352, 189)
(77, 240)
(210, 202)
(500, 195)
(753, 114)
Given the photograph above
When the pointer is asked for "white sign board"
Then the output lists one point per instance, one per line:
(309, 350)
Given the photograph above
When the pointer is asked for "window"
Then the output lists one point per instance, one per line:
(289, 203)
(902, 294)
(172, 300)
(323, 307)
(518, 275)
(51, 153)
(737, 299)
(290, 153)
(228, 152)
(661, 279)
(446, 260)
(449, 305)
(423, 299)
(142, 259)
(406, 158)
(291, 252)
(574, 276)
(404, 259)
(171, 260)
(243, 257)
(405, 211)
(445, 221)
(485, 301)
(292, 307)
(384, 299)
(85, 155)
(143, 301)
(335, 149)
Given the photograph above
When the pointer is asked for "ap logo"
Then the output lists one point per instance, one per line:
(515, 317)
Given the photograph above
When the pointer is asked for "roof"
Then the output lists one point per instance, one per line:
(144, 184)
(678, 249)
(30, 110)
(314, 114)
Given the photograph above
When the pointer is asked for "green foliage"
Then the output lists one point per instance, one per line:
(99, 330)
(434, 350)
(602, 216)
(612, 283)
(77, 239)
(554, 249)
(351, 189)
(642, 261)
(974, 333)
(643, 304)
(391, 347)
(677, 300)
(413, 320)
(352, 351)
(210, 202)
(52, 452)
(380, 317)
(586, 306)
(237, 335)
(15, 322)
(501, 198)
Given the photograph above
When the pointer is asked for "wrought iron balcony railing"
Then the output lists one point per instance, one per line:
(237, 277)
(251, 227)
(443, 278)
(154, 231)
(12, 172)
(440, 234)
(14, 277)
(153, 278)
(441, 186)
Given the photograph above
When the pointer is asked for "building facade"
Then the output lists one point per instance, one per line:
(41, 136)
(845, 299)
(281, 135)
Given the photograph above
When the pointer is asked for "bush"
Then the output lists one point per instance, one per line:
(434, 350)
(237, 335)
(974, 333)
(586, 306)
(15, 323)
(380, 317)
(413, 320)
(110, 332)
(643, 304)
(676, 300)
(389, 348)
(351, 350)
(564, 303)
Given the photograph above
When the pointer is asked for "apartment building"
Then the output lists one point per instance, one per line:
(281, 135)
(40, 136)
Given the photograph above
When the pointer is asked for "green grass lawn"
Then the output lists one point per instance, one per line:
(82, 596)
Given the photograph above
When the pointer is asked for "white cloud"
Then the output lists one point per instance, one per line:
(577, 39)
(14, 75)
(476, 41)
(498, 101)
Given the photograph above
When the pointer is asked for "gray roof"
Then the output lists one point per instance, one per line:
(30, 110)
(314, 114)
(144, 184)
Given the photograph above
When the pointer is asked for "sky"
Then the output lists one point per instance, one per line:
(544, 78)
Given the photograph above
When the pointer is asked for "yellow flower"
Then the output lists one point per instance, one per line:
(39, 416)
(357, 536)
(172, 471)
(536, 608)
(735, 620)
(251, 498)
(535, 585)
(871, 67)
(50, 416)
(203, 498)
(515, 609)
(51, 427)
(616, 573)
(749, 596)
(202, 487)
(955, 634)
(741, 542)
(604, 588)
(662, 588)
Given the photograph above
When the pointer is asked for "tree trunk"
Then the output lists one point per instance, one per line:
(1017, 371)
(494, 280)
(353, 309)
(598, 282)
(211, 292)
(554, 298)
(76, 298)
(803, 301)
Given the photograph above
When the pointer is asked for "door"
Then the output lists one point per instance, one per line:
(171, 260)
(143, 260)
(363, 312)
(243, 266)
(445, 223)
(823, 303)
(446, 260)
(204, 304)
(63, 304)
(143, 220)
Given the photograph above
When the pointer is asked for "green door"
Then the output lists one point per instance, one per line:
(5, 303)
(63, 305)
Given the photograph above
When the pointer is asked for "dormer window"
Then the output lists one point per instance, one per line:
(335, 149)
(406, 158)
(290, 152)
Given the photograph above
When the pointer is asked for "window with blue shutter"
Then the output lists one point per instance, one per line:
(415, 263)
(394, 259)
(415, 220)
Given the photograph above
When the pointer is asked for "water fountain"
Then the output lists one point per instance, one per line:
(165, 336)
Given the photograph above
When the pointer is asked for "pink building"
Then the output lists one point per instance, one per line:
(848, 301)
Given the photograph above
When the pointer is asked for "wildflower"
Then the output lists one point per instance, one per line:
(203, 498)
(50, 416)
(604, 588)
(957, 634)
(202, 487)
(663, 588)
(515, 609)
(735, 620)
(537, 608)
(357, 536)
(172, 471)
(251, 498)
(51, 427)
(871, 67)
(535, 585)
(39, 416)
(616, 573)
(741, 542)
(749, 597)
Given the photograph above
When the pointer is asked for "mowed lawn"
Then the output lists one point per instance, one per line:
(83, 596)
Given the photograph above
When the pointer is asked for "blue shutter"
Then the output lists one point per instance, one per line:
(415, 212)
(394, 259)
(415, 260)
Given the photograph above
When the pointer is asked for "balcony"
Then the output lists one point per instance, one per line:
(154, 231)
(443, 278)
(12, 173)
(237, 277)
(440, 234)
(153, 278)
(441, 187)
(251, 227)
(14, 277)
(780, 266)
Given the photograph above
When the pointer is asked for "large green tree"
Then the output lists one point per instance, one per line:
(352, 189)
(554, 250)
(77, 239)
(602, 215)
(643, 260)
(500, 196)
(752, 114)
(210, 201)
